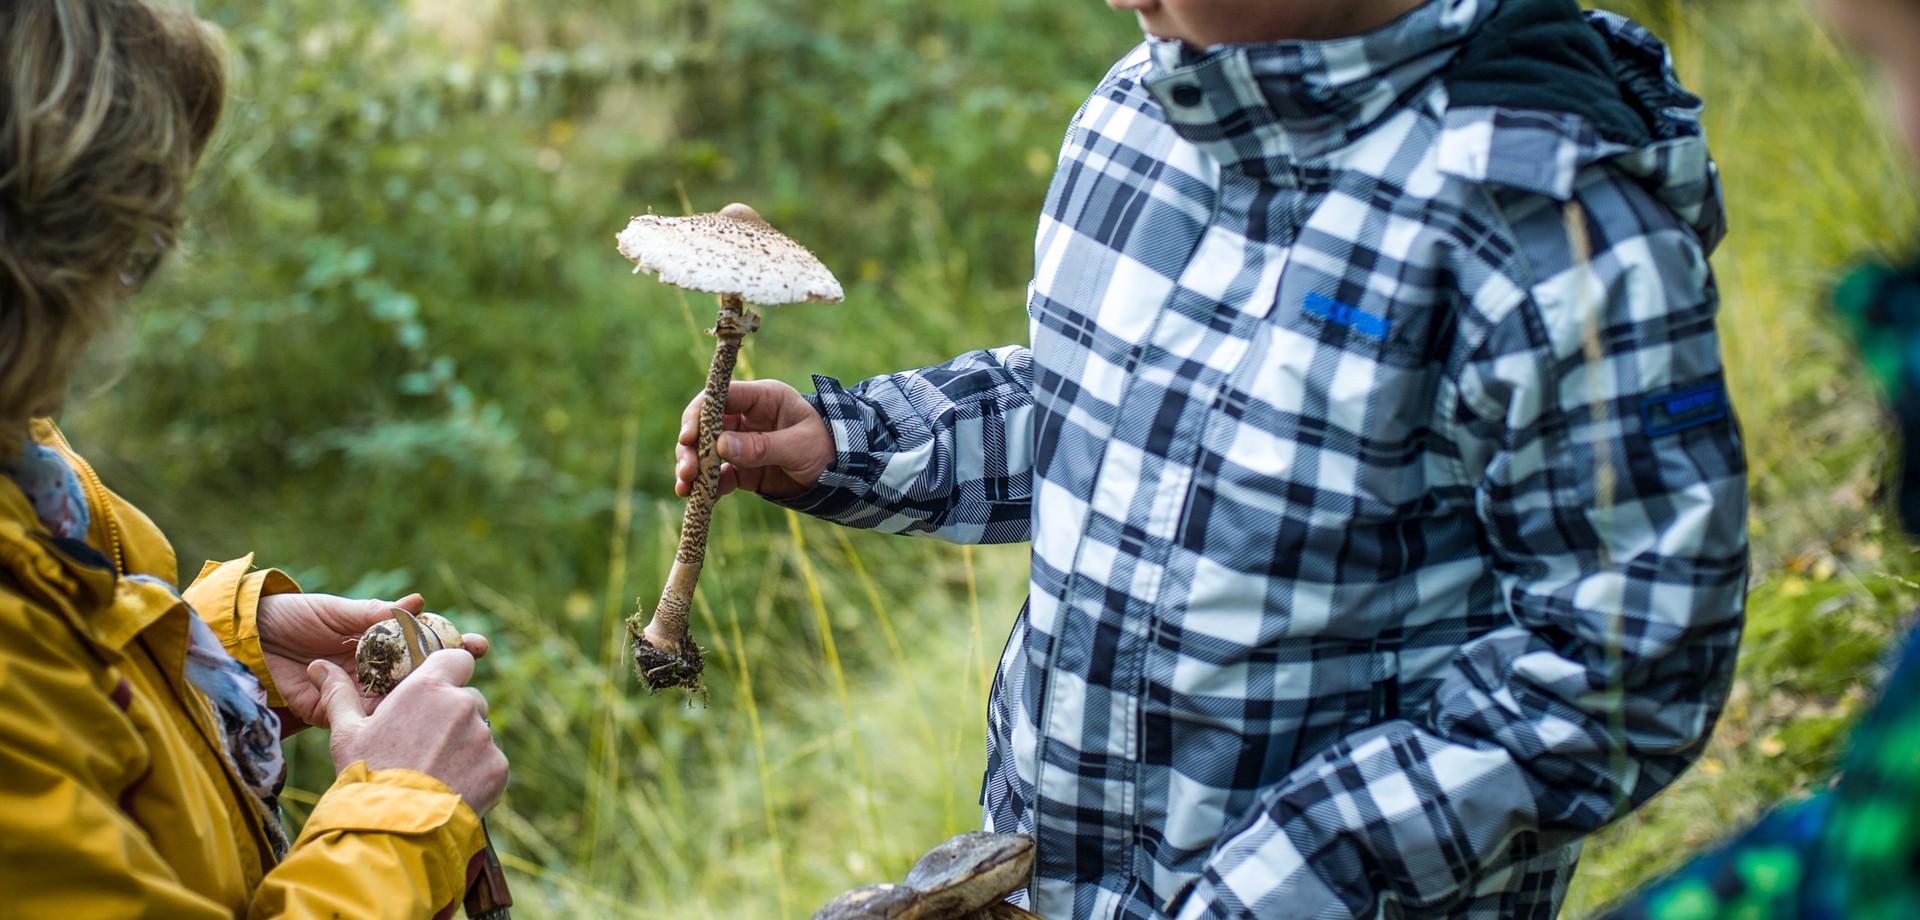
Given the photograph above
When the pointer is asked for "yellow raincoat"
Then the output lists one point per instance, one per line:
(115, 798)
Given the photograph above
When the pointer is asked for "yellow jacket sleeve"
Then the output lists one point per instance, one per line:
(381, 843)
(227, 596)
(106, 810)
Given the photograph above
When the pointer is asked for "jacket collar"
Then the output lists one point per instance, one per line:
(1259, 107)
(72, 578)
(48, 571)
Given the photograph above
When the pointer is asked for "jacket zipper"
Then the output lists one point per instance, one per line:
(97, 496)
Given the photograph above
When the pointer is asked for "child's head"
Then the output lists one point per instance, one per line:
(1888, 31)
(105, 108)
(1204, 23)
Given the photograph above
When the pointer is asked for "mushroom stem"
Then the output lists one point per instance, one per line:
(664, 653)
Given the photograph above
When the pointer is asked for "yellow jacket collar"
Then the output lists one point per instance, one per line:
(108, 610)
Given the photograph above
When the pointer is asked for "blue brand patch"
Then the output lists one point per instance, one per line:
(1680, 410)
(1352, 317)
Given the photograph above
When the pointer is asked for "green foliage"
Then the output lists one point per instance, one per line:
(387, 273)
(874, 111)
(909, 143)
(403, 355)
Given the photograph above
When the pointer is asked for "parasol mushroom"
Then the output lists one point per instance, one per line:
(739, 256)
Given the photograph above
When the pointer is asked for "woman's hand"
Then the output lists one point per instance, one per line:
(431, 723)
(774, 443)
(296, 629)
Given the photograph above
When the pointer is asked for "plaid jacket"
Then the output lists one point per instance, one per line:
(1387, 510)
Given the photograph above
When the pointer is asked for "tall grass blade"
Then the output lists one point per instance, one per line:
(603, 748)
(1591, 308)
(862, 795)
(885, 619)
(744, 673)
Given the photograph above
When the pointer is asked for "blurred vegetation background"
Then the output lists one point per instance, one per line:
(402, 354)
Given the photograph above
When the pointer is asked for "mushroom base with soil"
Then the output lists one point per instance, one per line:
(664, 653)
(665, 668)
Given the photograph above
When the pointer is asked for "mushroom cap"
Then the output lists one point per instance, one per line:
(875, 902)
(972, 870)
(732, 251)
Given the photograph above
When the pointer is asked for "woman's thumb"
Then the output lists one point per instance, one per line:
(340, 703)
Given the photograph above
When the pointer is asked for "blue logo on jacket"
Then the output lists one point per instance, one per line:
(1347, 315)
(1682, 409)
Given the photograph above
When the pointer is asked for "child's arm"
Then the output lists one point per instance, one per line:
(944, 451)
(1611, 488)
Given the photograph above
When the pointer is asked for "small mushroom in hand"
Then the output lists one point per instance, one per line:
(739, 256)
(389, 650)
(382, 661)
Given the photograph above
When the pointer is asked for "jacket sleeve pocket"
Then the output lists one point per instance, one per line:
(381, 843)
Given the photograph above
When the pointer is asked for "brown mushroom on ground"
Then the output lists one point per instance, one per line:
(962, 879)
(739, 256)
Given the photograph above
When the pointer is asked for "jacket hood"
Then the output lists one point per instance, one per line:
(1544, 91)
(1542, 55)
(1534, 92)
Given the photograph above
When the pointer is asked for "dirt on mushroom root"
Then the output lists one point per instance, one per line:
(378, 666)
(663, 669)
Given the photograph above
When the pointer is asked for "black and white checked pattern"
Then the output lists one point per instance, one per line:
(1360, 588)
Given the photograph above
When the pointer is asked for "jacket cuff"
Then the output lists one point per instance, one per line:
(227, 597)
(844, 484)
(403, 803)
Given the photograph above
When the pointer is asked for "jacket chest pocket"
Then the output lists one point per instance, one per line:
(1330, 416)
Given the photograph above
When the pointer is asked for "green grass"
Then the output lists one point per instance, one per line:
(820, 759)
(403, 355)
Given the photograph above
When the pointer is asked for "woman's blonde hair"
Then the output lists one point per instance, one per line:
(105, 109)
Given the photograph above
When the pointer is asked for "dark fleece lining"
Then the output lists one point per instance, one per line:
(1541, 55)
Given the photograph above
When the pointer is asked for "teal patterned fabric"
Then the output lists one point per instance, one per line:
(1850, 852)
(1880, 307)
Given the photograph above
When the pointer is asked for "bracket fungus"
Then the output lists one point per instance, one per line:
(742, 258)
(962, 879)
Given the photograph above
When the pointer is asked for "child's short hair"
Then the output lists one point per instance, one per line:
(105, 109)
